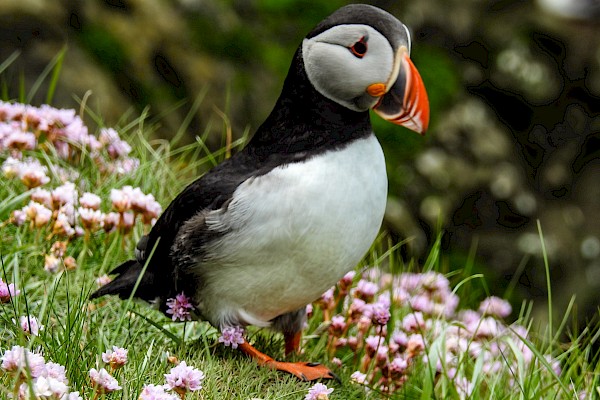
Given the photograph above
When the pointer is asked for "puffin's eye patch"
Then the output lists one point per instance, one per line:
(359, 49)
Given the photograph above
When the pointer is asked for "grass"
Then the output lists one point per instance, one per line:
(76, 331)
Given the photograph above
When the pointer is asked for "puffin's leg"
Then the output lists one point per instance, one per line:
(305, 371)
(292, 342)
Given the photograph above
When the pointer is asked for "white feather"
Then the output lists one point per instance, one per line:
(292, 234)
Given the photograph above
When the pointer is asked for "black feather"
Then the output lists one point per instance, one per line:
(124, 283)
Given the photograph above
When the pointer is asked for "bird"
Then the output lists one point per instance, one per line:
(268, 230)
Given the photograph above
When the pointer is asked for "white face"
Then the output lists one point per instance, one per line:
(341, 70)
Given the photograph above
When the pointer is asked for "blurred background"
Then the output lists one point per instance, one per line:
(514, 88)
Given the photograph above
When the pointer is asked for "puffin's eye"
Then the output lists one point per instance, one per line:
(359, 49)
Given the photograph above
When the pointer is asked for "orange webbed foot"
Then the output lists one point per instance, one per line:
(305, 371)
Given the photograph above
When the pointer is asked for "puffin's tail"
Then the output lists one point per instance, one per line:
(128, 274)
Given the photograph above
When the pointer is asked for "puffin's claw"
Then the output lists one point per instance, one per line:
(306, 371)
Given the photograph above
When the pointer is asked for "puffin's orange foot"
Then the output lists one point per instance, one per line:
(305, 371)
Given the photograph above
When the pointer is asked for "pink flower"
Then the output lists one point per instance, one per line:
(413, 322)
(20, 359)
(42, 196)
(51, 263)
(56, 371)
(30, 324)
(33, 174)
(64, 194)
(327, 298)
(90, 200)
(103, 280)
(232, 336)
(116, 358)
(154, 392)
(365, 290)
(103, 381)
(20, 140)
(114, 145)
(71, 396)
(91, 219)
(7, 291)
(372, 344)
(358, 377)
(398, 366)
(318, 392)
(183, 379)
(180, 307)
(380, 314)
(495, 307)
(338, 325)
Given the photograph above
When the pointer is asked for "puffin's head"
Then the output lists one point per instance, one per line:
(359, 58)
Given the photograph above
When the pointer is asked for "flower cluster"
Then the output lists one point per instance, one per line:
(48, 379)
(25, 127)
(181, 379)
(65, 213)
(30, 325)
(429, 330)
(179, 307)
(7, 291)
(116, 358)
(232, 336)
(129, 202)
(103, 381)
(318, 392)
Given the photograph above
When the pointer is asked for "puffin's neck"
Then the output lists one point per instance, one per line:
(304, 122)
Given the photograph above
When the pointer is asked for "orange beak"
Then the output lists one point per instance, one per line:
(405, 102)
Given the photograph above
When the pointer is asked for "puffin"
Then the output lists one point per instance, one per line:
(267, 231)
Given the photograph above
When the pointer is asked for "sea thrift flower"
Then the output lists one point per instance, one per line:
(56, 371)
(180, 307)
(7, 291)
(30, 325)
(380, 314)
(44, 388)
(59, 248)
(338, 324)
(115, 358)
(71, 396)
(358, 377)
(327, 299)
(318, 392)
(90, 200)
(103, 280)
(495, 307)
(64, 194)
(21, 359)
(42, 196)
(18, 217)
(182, 379)
(62, 226)
(111, 221)
(33, 175)
(232, 336)
(114, 145)
(413, 322)
(365, 290)
(91, 219)
(103, 381)
(154, 392)
(51, 263)
(70, 263)
(120, 199)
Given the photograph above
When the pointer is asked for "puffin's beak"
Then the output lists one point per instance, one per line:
(403, 100)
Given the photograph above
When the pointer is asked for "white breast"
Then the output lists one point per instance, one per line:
(293, 233)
